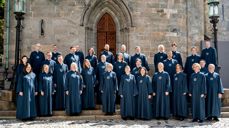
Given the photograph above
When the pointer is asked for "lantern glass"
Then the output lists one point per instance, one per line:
(216, 10)
(211, 10)
(20, 6)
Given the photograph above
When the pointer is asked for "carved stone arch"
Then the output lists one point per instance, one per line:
(95, 9)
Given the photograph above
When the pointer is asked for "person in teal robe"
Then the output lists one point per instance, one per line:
(160, 56)
(197, 90)
(108, 89)
(180, 91)
(26, 91)
(59, 77)
(73, 90)
(144, 102)
(161, 88)
(46, 92)
(92, 57)
(214, 94)
(128, 91)
(89, 80)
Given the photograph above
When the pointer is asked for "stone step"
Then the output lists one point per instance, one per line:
(225, 109)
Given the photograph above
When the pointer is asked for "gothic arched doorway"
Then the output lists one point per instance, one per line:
(106, 33)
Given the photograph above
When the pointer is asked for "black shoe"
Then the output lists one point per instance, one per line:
(165, 118)
(124, 118)
(194, 120)
(182, 118)
(131, 118)
(216, 119)
(200, 121)
(209, 118)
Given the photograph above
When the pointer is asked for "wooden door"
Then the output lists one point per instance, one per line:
(106, 33)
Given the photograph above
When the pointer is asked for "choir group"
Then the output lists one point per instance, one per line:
(74, 82)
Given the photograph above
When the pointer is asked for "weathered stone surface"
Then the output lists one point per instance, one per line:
(7, 105)
(6, 95)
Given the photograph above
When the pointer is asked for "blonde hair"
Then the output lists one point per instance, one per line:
(196, 64)
(109, 65)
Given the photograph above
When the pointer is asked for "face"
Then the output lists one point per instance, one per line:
(208, 44)
(73, 67)
(202, 63)
(46, 68)
(24, 60)
(109, 68)
(77, 47)
(196, 68)
(73, 50)
(123, 48)
(120, 57)
(160, 67)
(91, 50)
(211, 68)
(174, 48)
(107, 47)
(137, 49)
(60, 59)
(87, 63)
(170, 54)
(194, 51)
(28, 69)
(138, 63)
(55, 48)
(103, 58)
(127, 70)
(49, 56)
(37, 47)
(161, 48)
(178, 68)
(143, 72)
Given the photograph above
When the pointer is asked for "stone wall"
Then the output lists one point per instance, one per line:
(147, 23)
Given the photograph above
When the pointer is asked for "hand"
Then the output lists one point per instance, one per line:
(42, 93)
(84, 86)
(166, 93)
(80, 92)
(101, 91)
(220, 95)
(184, 93)
(67, 92)
(190, 94)
(21, 93)
(54, 85)
(202, 95)
(149, 96)
(36, 93)
(154, 94)
(121, 96)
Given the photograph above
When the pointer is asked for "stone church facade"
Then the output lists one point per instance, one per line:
(92, 23)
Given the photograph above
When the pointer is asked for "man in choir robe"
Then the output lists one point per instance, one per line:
(48, 61)
(214, 94)
(170, 67)
(209, 54)
(55, 53)
(180, 91)
(59, 76)
(161, 88)
(100, 70)
(109, 55)
(92, 58)
(141, 56)
(126, 56)
(160, 56)
(197, 90)
(176, 54)
(72, 57)
(194, 58)
(203, 69)
(128, 91)
(36, 58)
(46, 91)
(73, 90)
(80, 54)
(108, 88)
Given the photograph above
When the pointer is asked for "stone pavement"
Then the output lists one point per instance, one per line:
(223, 123)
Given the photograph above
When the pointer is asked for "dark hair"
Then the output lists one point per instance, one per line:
(179, 66)
(93, 53)
(43, 67)
(24, 56)
(24, 69)
(122, 56)
(84, 63)
(139, 71)
(138, 60)
(174, 44)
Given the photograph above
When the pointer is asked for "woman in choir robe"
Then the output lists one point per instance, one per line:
(135, 70)
(20, 68)
(161, 89)
(197, 90)
(203, 69)
(59, 76)
(73, 90)
(108, 89)
(119, 69)
(92, 57)
(46, 91)
(26, 91)
(89, 79)
(128, 91)
(180, 91)
(144, 104)
(100, 70)
(214, 93)
(160, 56)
